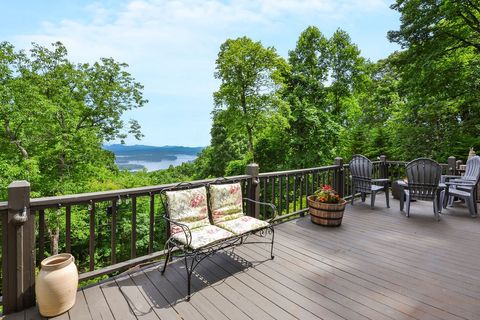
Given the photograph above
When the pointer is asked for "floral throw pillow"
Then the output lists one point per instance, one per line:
(188, 207)
(226, 202)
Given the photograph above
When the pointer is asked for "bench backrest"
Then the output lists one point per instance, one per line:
(226, 202)
(191, 207)
(188, 206)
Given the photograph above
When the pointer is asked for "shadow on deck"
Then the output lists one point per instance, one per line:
(377, 265)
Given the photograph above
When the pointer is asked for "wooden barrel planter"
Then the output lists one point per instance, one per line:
(326, 214)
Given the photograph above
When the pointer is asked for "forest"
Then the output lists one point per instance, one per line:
(321, 101)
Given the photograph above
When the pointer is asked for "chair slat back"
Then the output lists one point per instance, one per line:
(472, 170)
(361, 169)
(423, 176)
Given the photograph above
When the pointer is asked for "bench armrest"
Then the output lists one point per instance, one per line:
(272, 206)
(185, 229)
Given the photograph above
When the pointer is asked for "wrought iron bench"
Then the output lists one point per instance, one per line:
(202, 223)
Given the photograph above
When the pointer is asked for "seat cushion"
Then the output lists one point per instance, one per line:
(242, 224)
(188, 207)
(226, 202)
(203, 236)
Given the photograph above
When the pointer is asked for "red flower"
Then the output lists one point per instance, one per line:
(326, 194)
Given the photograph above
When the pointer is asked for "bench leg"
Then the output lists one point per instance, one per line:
(273, 238)
(167, 258)
(189, 275)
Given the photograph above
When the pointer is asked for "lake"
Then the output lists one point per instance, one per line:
(136, 165)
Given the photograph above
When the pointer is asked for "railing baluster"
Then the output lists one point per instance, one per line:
(301, 194)
(287, 203)
(68, 229)
(264, 194)
(91, 242)
(113, 236)
(280, 195)
(307, 180)
(294, 193)
(152, 217)
(133, 242)
(314, 174)
(41, 236)
(273, 190)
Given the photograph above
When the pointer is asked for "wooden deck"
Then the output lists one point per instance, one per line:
(377, 265)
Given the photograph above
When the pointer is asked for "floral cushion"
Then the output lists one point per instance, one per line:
(203, 236)
(188, 207)
(242, 224)
(226, 202)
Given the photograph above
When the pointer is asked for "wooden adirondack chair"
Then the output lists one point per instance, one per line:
(361, 169)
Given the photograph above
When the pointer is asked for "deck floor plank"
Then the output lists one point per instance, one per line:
(316, 275)
(378, 265)
(153, 296)
(97, 304)
(424, 288)
(80, 310)
(386, 264)
(203, 287)
(293, 303)
(203, 305)
(252, 304)
(173, 294)
(349, 304)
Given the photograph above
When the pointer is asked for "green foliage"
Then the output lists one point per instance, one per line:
(439, 77)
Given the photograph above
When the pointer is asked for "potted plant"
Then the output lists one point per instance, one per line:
(326, 207)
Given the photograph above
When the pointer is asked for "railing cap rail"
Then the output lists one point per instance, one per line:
(297, 171)
(72, 199)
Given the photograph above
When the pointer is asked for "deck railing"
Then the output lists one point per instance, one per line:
(136, 213)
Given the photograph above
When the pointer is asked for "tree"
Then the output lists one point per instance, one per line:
(55, 116)
(440, 69)
(323, 91)
(250, 76)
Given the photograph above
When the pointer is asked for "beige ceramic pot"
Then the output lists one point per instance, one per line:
(56, 285)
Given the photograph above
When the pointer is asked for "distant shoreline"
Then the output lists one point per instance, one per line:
(150, 158)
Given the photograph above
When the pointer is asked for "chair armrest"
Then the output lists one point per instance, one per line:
(450, 176)
(271, 205)
(461, 182)
(185, 229)
(402, 183)
(383, 180)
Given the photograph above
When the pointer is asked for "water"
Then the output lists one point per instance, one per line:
(157, 165)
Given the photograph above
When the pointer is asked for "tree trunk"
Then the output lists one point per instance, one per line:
(248, 127)
(54, 237)
(13, 139)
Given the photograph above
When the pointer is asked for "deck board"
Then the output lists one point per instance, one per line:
(80, 310)
(378, 265)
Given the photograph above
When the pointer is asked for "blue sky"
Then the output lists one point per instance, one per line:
(171, 46)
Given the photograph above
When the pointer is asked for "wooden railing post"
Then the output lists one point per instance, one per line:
(18, 249)
(253, 191)
(452, 165)
(383, 167)
(339, 177)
